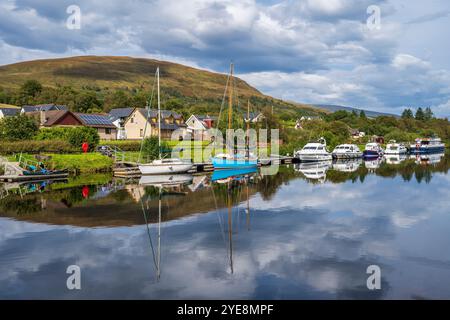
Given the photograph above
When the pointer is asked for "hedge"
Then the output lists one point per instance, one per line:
(34, 146)
(124, 145)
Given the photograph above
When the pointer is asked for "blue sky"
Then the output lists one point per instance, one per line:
(313, 51)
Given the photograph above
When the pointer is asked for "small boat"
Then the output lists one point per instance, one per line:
(395, 148)
(167, 165)
(226, 161)
(346, 151)
(428, 145)
(230, 160)
(315, 151)
(373, 150)
(45, 172)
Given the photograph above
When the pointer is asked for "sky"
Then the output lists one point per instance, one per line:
(310, 51)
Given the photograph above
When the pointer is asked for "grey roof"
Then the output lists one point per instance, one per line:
(253, 115)
(44, 107)
(164, 113)
(9, 112)
(95, 120)
(203, 117)
(119, 113)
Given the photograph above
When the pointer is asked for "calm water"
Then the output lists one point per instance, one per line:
(309, 232)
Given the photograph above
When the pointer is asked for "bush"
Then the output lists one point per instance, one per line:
(56, 133)
(151, 149)
(77, 136)
(124, 145)
(33, 146)
(20, 127)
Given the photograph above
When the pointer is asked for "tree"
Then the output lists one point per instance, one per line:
(362, 114)
(31, 88)
(428, 114)
(150, 147)
(20, 127)
(407, 114)
(87, 102)
(420, 115)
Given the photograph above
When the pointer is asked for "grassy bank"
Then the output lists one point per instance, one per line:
(80, 163)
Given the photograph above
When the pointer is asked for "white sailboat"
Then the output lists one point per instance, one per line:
(167, 165)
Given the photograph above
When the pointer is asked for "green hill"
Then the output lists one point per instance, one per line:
(105, 75)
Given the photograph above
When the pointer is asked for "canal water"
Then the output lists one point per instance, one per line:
(309, 232)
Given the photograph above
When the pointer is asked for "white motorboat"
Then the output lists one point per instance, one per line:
(373, 163)
(428, 145)
(347, 151)
(395, 148)
(373, 150)
(315, 151)
(167, 165)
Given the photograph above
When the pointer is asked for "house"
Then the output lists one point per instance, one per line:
(8, 112)
(145, 121)
(43, 107)
(118, 117)
(254, 117)
(310, 118)
(56, 118)
(378, 139)
(356, 134)
(198, 125)
(65, 118)
(101, 122)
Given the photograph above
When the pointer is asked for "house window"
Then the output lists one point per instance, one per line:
(132, 120)
(141, 132)
(108, 130)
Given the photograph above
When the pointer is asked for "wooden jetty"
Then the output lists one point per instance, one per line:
(124, 169)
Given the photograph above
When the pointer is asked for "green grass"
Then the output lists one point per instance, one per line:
(80, 163)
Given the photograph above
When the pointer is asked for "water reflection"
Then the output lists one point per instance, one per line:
(244, 235)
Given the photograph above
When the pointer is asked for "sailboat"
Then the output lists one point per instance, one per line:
(167, 165)
(235, 160)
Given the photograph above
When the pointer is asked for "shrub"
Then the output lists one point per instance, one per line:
(77, 136)
(20, 127)
(56, 133)
(33, 146)
(124, 145)
(151, 149)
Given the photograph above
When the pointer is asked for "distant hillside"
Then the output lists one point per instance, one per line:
(370, 114)
(105, 74)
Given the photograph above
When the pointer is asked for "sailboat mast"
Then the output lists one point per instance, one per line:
(159, 236)
(230, 99)
(159, 116)
(247, 146)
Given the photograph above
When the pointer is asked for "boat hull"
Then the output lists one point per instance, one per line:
(315, 157)
(427, 149)
(219, 163)
(372, 154)
(354, 155)
(151, 169)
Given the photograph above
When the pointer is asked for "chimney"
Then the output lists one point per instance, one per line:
(42, 119)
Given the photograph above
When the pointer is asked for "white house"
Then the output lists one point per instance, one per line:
(197, 125)
(118, 117)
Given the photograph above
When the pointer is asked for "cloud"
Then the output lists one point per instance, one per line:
(292, 38)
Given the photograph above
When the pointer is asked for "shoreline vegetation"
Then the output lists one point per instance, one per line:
(21, 134)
